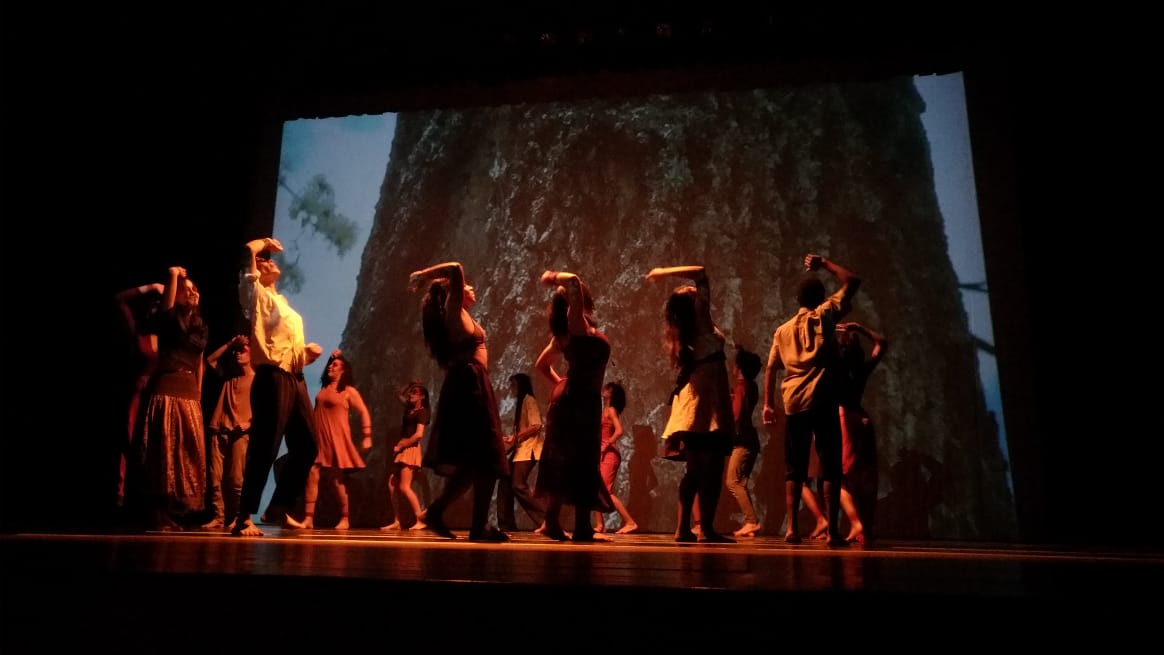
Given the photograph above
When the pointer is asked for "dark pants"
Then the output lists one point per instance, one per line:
(280, 407)
(517, 488)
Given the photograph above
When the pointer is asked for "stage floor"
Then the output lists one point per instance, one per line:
(105, 584)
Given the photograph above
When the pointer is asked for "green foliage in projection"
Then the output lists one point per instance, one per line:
(313, 209)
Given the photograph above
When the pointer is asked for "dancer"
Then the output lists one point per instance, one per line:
(614, 401)
(803, 346)
(338, 457)
(859, 442)
(525, 446)
(569, 470)
(166, 467)
(280, 404)
(746, 446)
(139, 306)
(465, 444)
(229, 429)
(407, 460)
(700, 428)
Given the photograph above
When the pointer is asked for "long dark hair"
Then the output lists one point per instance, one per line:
(433, 324)
(558, 312)
(617, 396)
(346, 377)
(524, 388)
(680, 329)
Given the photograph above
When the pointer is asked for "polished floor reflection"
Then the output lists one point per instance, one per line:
(136, 586)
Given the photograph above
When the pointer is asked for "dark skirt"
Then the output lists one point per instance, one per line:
(569, 468)
(466, 429)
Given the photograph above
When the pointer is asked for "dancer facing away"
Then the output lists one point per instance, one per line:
(525, 445)
(166, 465)
(804, 347)
(859, 442)
(746, 445)
(700, 428)
(407, 457)
(610, 457)
(338, 457)
(280, 404)
(465, 444)
(229, 429)
(139, 306)
(569, 471)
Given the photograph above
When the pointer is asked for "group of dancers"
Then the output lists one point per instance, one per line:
(264, 402)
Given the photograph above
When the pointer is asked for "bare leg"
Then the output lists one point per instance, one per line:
(341, 492)
(856, 529)
(311, 494)
(405, 484)
(793, 493)
(813, 504)
(628, 522)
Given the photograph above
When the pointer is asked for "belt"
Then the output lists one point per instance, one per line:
(297, 376)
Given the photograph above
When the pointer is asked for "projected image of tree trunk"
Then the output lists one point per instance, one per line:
(744, 183)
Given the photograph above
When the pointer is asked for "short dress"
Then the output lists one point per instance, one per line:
(410, 456)
(334, 431)
(701, 408)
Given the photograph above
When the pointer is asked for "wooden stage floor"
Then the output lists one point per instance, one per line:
(135, 592)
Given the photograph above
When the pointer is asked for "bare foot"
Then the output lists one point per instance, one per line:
(246, 528)
(290, 523)
(395, 525)
(213, 524)
(342, 525)
(747, 530)
(541, 529)
(821, 531)
(600, 528)
(579, 537)
(557, 534)
(628, 528)
(419, 525)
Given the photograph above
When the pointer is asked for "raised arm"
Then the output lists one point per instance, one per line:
(849, 281)
(123, 297)
(577, 305)
(177, 274)
(212, 358)
(256, 246)
(698, 276)
(455, 303)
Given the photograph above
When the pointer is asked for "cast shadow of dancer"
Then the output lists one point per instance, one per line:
(768, 481)
(918, 484)
(641, 476)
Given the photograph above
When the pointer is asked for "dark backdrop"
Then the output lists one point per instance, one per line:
(131, 143)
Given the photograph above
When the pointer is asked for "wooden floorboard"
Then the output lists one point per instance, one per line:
(129, 590)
